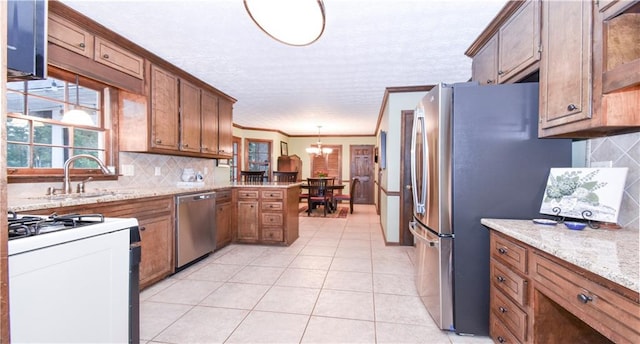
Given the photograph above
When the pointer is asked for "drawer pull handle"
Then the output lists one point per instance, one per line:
(489, 82)
(500, 279)
(143, 228)
(502, 250)
(584, 298)
(106, 56)
(158, 141)
(571, 107)
(500, 339)
(81, 45)
(502, 309)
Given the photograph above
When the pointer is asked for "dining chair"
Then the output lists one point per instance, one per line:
(319, 194)
(349, 197)
(282, 176)
(252, 176)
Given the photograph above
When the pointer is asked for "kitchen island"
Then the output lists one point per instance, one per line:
(552, 284)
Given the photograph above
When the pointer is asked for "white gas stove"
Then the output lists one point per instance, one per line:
(70, 278)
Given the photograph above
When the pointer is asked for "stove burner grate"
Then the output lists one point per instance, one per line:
(21, 226)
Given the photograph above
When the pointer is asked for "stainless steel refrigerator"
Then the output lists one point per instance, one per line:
(475, 153)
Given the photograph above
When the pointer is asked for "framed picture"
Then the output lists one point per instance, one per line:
(284, 150)
(584, 193)
(383, 150)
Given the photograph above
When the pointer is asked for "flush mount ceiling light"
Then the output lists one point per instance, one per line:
(318, 150)
(292, 22)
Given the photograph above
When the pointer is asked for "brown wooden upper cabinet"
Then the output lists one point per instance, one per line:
(70, 36)
(225, 128)
(164, 110)
(589, 80)
(510, 46)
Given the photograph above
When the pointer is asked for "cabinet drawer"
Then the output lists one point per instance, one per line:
(509, 252)
(272, 194)
(272, 235)
(509, 282)
(272, 219)
(223, 196)
(608, 312)
(70, 36)
(509, 314)
(247, 194)
(499, 332)
(115, 57)
(272, 206)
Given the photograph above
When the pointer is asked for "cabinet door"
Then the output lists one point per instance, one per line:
(565, 71)
(225, 127)
(485, 63)
(157, 249)
(519, 41)
(209, 123)
(247, 220)
(164, 109)
(189, 117)
(223, 224)
(118, 58)
(70, 36)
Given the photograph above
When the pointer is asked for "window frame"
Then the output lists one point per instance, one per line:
(247, 142)
(108, 126)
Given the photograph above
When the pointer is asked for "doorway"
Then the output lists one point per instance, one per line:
(406, 195)
(362, 167)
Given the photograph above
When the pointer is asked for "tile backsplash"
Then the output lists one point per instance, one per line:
(621, 151)
(143, 168)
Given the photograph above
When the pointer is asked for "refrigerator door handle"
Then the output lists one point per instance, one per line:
(416, 234)
(419, 203)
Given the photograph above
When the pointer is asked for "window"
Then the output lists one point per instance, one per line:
(39, 139)
(258, 155)
(234, 163)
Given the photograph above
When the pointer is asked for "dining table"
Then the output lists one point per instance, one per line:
(333, 204)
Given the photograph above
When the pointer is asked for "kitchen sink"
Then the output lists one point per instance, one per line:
(93, 194)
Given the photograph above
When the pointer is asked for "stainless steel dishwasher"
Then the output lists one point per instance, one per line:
(195, 226)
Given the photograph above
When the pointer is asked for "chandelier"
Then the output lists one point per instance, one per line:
(292, 22)
(318, 149)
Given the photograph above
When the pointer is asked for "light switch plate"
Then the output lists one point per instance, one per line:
(128, 170)
(597, 164)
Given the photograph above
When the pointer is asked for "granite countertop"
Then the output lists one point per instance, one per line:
(23, 204)
(612, 254)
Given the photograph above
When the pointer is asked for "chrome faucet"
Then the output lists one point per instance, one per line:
(66, 184)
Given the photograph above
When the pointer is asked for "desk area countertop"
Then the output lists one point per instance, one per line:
(28, 203)
(612, 254)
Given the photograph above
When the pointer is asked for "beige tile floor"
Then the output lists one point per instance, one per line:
(338, 283)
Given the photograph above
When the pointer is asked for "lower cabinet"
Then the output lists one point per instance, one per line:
(267, 215)
(157, 240)
(155, 222)
(539, 298)
(224, 217)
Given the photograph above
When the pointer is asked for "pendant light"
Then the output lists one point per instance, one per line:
(318, 149)
(77, 115)
(292, 22)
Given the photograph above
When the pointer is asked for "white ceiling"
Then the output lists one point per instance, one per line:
(337, 82)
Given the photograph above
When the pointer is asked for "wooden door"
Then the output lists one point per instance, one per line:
(406, 196)
(362, 167)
